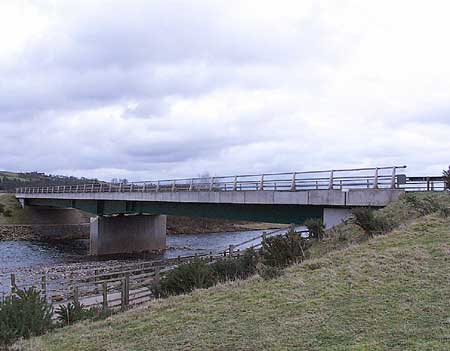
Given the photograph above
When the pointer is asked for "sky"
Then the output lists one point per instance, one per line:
(166, 89)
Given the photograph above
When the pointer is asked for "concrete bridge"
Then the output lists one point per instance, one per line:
(131, 217)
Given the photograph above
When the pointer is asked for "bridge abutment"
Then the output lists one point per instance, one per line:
(127, 234)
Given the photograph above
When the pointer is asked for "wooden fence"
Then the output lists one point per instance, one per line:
(124, 285)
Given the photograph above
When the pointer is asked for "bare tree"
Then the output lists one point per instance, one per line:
(446, 175)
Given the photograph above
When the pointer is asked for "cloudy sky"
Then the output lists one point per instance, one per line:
(157, 89)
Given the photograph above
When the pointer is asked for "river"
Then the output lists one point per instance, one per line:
(26, 259)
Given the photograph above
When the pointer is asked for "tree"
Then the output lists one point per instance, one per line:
(446, 176)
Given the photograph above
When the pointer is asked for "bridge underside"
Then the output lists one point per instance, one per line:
(136, 226)
(280, 213)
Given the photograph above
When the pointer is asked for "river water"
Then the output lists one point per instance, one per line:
(25, 258)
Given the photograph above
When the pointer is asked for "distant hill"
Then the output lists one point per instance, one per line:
(9, 181)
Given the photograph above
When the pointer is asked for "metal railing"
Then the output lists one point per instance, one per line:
(357, 178)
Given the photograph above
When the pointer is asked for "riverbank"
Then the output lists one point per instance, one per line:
(387, 293)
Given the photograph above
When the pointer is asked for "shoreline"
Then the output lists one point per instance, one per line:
(175, 226)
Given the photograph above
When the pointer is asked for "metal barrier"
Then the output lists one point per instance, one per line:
(357, 178)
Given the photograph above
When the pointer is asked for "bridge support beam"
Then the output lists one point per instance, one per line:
(335, 216)
(127, 234)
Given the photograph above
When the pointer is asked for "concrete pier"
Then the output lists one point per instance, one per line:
(127, 234)
(335, 216)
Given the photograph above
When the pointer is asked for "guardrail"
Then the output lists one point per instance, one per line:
(357, 178)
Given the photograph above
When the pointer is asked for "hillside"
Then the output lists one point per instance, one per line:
(9, 181)
(388, 293)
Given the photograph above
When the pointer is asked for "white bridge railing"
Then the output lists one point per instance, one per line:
(359, 178)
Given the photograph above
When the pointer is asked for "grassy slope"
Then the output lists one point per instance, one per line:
(11, 203)
(392, 292)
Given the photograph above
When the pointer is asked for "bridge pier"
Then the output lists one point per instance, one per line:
(127, 234)
(334, 216)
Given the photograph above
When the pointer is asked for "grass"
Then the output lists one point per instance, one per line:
(18, 215)
(388, 293)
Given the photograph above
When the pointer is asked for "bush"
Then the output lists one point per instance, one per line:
(76, 311)
(185, 278)
(446, 176)
(22, 315)
(7, 213)
(236, 268)
(365, 218)
(427, 205)
(283, 250)
(269, 272)
(316, 228)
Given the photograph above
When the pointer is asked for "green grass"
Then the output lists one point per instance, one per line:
(12, 176)
(18, 215)
(388, 293)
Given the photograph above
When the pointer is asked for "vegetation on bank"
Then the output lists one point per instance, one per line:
(354, 293)
(9, 181)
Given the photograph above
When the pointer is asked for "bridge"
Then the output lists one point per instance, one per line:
(131, 217)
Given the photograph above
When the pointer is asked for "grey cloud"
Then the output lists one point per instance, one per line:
(176, 88)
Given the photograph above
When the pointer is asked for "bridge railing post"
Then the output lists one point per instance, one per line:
(191, 186)
(174, 186)
(393, 185)
(211, 184)
(375, 179)
(157, 186)
(331, 182)
(294, 182)
(235, 183)
(261, 184)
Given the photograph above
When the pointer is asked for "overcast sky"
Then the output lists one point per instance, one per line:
(160, 89)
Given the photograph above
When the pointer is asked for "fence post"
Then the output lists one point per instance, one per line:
(235, 183)
(331, 184)
(231, 248)
(76, 296)
(44, 286)
(157, 276)
(210, 256)
(125, 291)
(428, 183)
(293, 183)
(13, 283)
(261, 184)
(105, 295)
(393, 178)
(375, 179)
